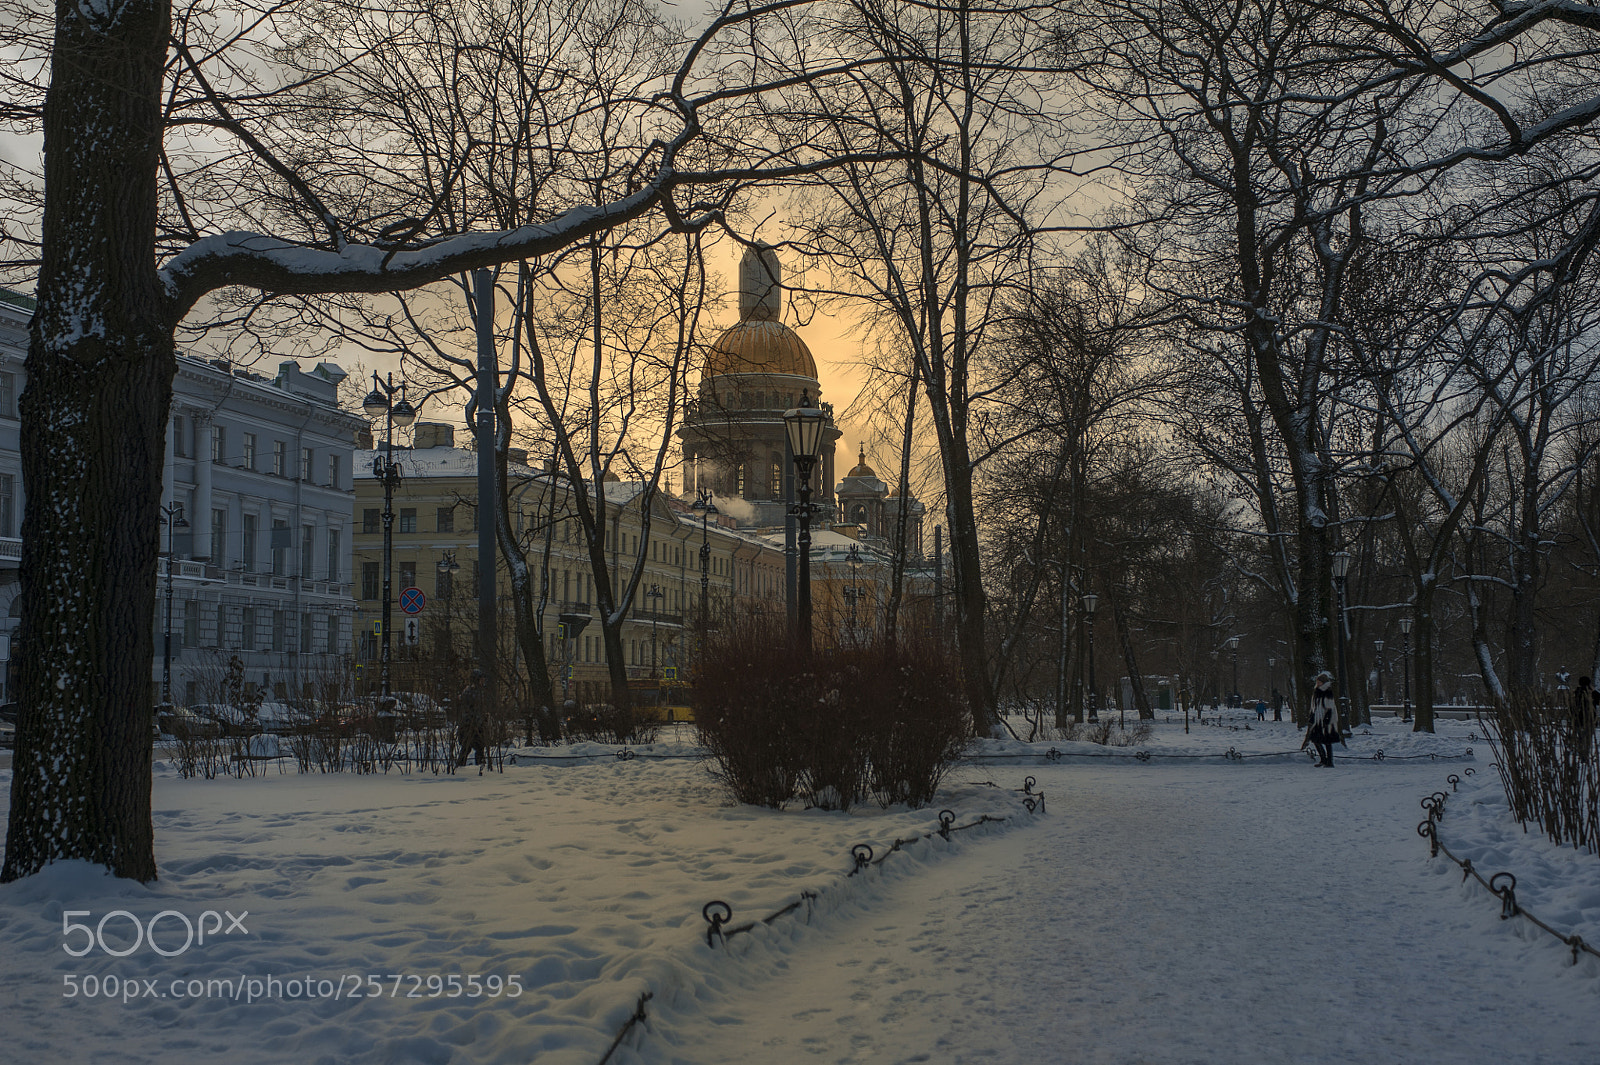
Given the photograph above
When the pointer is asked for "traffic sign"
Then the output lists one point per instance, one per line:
(413, 631)
(412, 600)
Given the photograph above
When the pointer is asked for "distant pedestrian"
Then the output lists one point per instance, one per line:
(1277, 705)
(472, 725)
(1323, 730)
(1261, 709)
(1583, 719)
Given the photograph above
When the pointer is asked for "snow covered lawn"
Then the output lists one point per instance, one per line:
(1197, 907)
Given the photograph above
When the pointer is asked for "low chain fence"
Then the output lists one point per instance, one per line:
(1055, 755)
(718, 914)
(1502, 885)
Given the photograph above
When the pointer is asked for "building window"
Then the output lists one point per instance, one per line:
(408, 574)
(308, 550)
(280, 631)
(334, 569)
(333, 634)
(447, 519)
(408, 519)
(219, 444)
(247, 451)
(371, 520)
(370, 578)
(191, 623)
(247, 545)
(219, 537)
(247, 628)
(306, 456)
(180, 443)
(8, 395)
(8, 504)
(305, 634)
(280, 458)
(333, 471)
(280, 547)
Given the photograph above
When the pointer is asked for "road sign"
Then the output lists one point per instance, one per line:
(412, 600)
(671, 672)
(413, 631)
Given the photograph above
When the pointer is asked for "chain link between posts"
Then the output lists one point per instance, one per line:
(718, 914)
(1502, 885)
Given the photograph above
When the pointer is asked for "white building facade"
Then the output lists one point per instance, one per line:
(258, 479)
(261, 469)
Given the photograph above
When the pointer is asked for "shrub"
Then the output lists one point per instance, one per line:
(1550, 773)
(832, 729)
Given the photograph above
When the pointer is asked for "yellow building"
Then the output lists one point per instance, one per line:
(436, 552)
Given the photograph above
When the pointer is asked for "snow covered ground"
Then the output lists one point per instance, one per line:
(1204, 905)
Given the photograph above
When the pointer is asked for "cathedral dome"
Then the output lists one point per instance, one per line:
(760, 346)
(760, 343)
(861, 468)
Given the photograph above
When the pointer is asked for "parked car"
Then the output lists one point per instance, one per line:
(8, 726)
(418, 711)
(182, 723)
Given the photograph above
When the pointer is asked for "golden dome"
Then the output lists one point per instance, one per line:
(760, 346)
(861, 468)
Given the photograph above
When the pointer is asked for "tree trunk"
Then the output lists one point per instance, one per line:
(100, 367)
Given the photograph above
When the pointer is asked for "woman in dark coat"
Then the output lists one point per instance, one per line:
(1323, 730)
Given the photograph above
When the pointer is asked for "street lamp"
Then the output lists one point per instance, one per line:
(804, 425)
(1272, 686)
(172, 518)
(1090, 600)
(1341, 568)
(380, 402)
(653, 594)
(1405, 668)
(708, 510)
(1233, 648)
(853, 591)
(1378, 644)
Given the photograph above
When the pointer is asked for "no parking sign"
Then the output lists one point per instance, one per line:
(412, 600)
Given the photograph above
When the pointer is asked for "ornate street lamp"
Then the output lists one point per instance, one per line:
(653, 595)
(805, 424)
(1378, 644)
(380, 403)
(1341, 568)
(1090, 601)
(172, 518)
(708, 510)
(853, 591)
(1233, 650)
(1272, 686)
(1405, 668)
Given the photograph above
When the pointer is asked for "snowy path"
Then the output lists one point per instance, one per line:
(1254, 914)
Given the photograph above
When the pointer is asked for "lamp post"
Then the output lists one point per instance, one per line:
(1272, 686)
(653, 595)
(172, 518)
(804, 425)
(1233, 650)
(380, 402)
(708, 510)
(448, 567)
(1090, 600)
(1378, 645)
(1405, 666)
(853, 591)
(1341, 568)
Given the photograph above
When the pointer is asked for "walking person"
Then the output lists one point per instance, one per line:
(1583, 719)
(1323, 729)
(472, 726)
